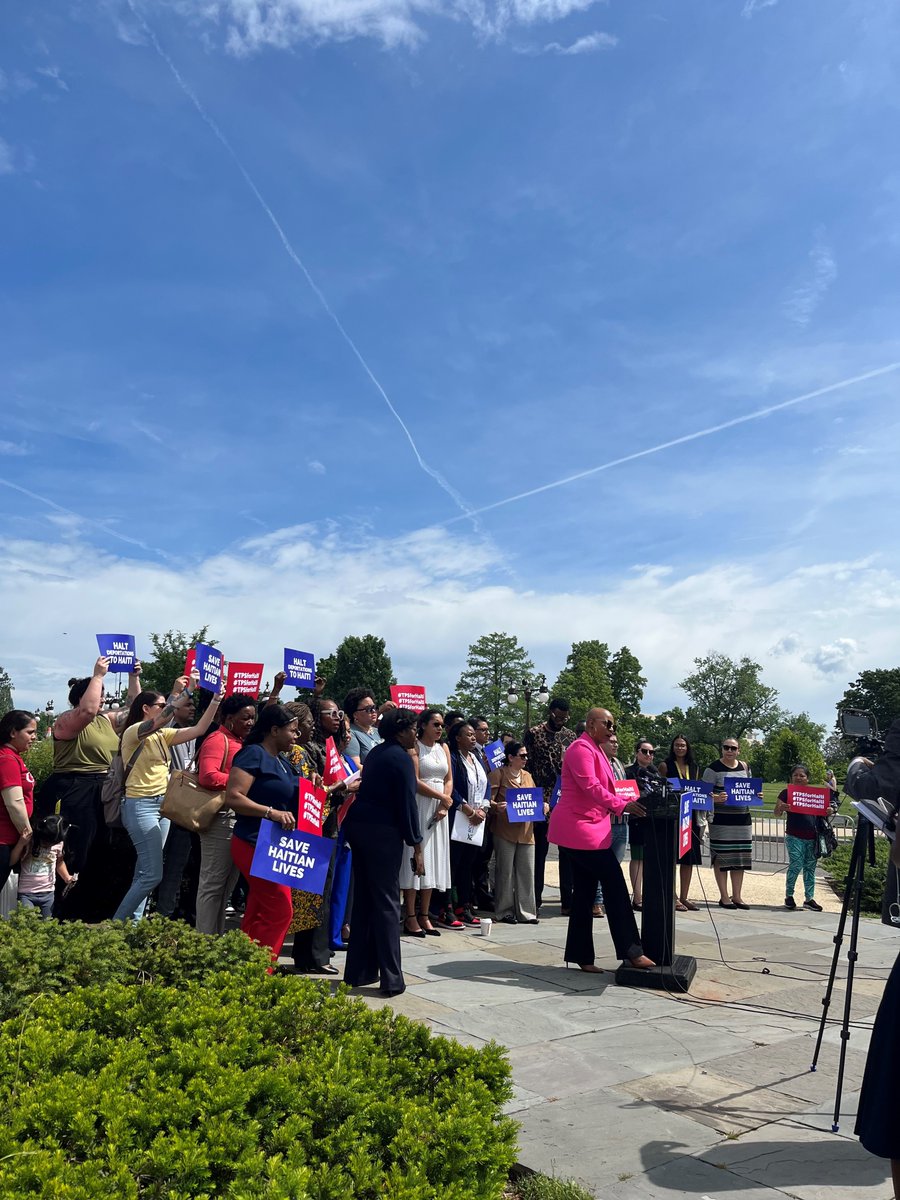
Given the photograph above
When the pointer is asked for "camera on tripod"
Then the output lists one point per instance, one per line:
(865, 781)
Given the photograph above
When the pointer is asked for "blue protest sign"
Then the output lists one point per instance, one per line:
(684, 827)
(494, 753)
(299, 668)
(557, 788)
(209, 662)
(700, 793)
(675, 783)
(525, 804)
(119, 649)
(296, 859)
(743, 792)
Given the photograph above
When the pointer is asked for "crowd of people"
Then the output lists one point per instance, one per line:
(424, 843)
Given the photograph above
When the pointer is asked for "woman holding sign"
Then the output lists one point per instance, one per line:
(800, 840)
(262, 786)
(513, 843)
(731, 827)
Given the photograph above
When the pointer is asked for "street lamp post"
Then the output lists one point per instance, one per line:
(528, 688)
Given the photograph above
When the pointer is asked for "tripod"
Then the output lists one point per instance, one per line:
(863, 846)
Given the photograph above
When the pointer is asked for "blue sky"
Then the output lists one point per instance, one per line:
(556, 232)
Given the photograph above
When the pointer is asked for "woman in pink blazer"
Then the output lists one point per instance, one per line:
(581, 823)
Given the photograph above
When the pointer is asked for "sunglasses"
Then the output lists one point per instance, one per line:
(609, 725)
(367, 708)
(733, 748)
(521, 754)
(644, 750)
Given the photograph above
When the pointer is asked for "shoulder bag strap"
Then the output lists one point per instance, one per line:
(134, 758)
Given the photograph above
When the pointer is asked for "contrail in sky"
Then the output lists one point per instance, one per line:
(680, 441)
(67, 512)
(295, 258)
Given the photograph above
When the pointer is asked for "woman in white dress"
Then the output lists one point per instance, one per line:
(434, 788)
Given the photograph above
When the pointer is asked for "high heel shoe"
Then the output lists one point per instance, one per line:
(407, 932)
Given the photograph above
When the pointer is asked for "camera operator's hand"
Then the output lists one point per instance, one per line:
(636, 808)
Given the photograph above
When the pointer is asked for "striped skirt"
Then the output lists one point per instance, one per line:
(731, 841)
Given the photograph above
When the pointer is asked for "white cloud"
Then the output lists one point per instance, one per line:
(431, 594)
(316, 467)
(251, 25)
(54, 74)
(789, 644)
(13, 449)
(589, 44)
(7, 158)
(755, 6)
(806, 297)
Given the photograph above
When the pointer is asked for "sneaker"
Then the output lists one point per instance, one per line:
(811, 904)
(790, 902)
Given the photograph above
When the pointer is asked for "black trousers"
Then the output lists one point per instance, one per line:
(463, 861)
(375, 919)
(5, 852)
(541, 847)
(589, 866)
(312, 947)
(483, 869)
(103, 858)
(565, 878)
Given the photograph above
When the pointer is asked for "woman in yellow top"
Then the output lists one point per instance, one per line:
(513, 843)
(149, 736)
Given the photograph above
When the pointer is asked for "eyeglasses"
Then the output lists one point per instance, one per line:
(333, 712)
(157, 704)
(367, 708)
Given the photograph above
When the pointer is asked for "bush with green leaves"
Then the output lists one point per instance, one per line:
(49, 956)
(547, 1187)
(256, 1089)
(40, 760)
(838, 864)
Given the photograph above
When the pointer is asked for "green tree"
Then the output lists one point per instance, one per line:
(6, 693)
(169, 653)
(877, 692)
(728, 698)
(788, 746)
(585, 681)
(358, 662)
(494, 662)
(627, 681)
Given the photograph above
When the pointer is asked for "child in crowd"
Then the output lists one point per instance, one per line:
(40, 860)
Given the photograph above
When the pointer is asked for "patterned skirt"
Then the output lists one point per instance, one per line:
(731, 841)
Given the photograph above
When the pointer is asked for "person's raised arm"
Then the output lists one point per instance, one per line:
(237, 798)
(275, 694)
(68, 726)
(167, 712)
(195, 731)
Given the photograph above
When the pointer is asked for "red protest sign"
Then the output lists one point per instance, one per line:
(627, 789)
(335, 767)
(311, 808)
(190, 662)
(813, 801)
(244, 679)
(409, 695)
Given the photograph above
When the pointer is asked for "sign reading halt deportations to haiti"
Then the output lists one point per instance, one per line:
(119, 649)
(299, 668)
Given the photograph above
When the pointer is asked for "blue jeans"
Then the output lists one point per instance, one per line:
(43, 901)
(619, 842)
(148, 832)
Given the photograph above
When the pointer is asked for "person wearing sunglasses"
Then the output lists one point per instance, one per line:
(362, 713)
(643, 760)
(581, 824)
(513, 843)
(731, 827)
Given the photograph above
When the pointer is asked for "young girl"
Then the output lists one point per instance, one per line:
(41, 861)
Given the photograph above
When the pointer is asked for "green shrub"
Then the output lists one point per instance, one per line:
(838, 864)
(49, 956)
(543, 1187)
(259, 1088)
(40, 760)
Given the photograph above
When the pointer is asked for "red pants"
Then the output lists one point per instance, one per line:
(269, 906)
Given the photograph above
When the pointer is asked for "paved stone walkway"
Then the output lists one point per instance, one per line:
(640, 1094)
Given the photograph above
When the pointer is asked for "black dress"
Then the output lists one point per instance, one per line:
(879, 1100)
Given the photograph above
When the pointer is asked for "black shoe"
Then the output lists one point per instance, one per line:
(730, 904)
(508, 920)
(811, 904)
(407, 932)
(790, 902)
(326, 970)
(531, 921)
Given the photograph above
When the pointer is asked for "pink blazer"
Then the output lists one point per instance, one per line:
(580, 820)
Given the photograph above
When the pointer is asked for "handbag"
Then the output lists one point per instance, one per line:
(113, 791)
(187, 803)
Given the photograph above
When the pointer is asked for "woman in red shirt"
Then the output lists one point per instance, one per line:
(218, 873)
(18, 729)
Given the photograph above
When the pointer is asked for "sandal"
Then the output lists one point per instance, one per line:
(690, 906)
(680, 906)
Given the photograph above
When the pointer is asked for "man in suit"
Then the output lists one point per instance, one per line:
(581, 823)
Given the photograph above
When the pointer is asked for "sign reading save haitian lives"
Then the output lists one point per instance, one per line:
(814, 801)
(244, 679)
(409, 695)
(297, 859)
(299, 668)
(493, 752)
(210, 663)
(119, 649)
(741, 791)
(684, 827)
(700, 792)
(524, 804)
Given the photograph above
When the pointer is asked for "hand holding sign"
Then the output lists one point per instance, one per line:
(812, 801)
(118, 649)
(297, 859)
(299, 668)
(743, 792)
(524, 804)
(210, 664)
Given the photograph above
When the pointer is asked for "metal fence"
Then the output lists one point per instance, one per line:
(768, 836)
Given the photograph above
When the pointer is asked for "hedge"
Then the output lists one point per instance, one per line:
(837, 865)
(239, 1086)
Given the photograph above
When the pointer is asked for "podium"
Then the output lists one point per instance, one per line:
(673, 972)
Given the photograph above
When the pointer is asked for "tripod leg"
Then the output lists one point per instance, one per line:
(851, 966)
(856, 857)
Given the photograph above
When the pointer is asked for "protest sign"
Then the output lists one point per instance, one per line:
(119, 649)
(409, 695)
(675, 783)
(299, 860)
(190, 662)
(627, 789)
(299, 668)
(335, 767)
(493, 752)
(813, 801)
(557, 790)
(700, 793)
(524, 804)
(210, 664)
(244, 679)
(741, 791)
(684, 826)
(311, 810)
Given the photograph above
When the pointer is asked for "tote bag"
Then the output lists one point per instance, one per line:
(188, 804)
